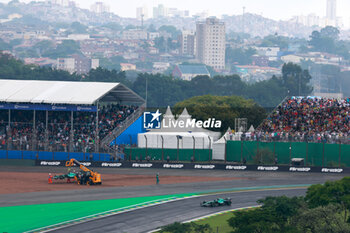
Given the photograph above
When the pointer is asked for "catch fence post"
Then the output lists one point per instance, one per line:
(339, 154)
(225, 149)
(210, 150)
(290, 153)
(257, 153)
(241, 150)
(161, 136)
(194, 149)
(146, 147)
(130, 154)
(307, 153)
(322, 154)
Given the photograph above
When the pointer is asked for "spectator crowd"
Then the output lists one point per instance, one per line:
(56, 135)
(308, 119)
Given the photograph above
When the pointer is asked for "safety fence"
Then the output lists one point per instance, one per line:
(40, 155)
(197, 166)
(314, 154)
(140, 154)
(236, 152)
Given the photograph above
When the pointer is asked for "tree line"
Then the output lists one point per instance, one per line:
(324, 209)
(164, 90)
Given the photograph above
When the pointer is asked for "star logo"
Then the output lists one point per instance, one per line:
(151, 120)
(156, 115)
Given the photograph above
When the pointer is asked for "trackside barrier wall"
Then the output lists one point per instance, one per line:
(174, 154)
(44, 155)
(197, 166)
(314, 154)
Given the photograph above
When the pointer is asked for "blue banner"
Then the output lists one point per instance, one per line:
(47, 107)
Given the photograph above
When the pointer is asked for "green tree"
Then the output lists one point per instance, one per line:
(273, 216)
(177, 228)
(11, 68)
(44, 46)
(239, 55)
(159, 43)
(345, 82)
(326, 40)
(322, 219)
(173, 44)
(186, 227)
(199, 228)
(275, 41)
(4, 45)
(103, 75)
(224, 108)
(112, 63)
(162, 90)
(113, 26)
(267, 93)
(151, 28)
(66, 48)
(254, 221)
(128, 27)
(78, 28)
(330, 32)
(15, 42)
(296, 80)
(171, 30)
(332, 192)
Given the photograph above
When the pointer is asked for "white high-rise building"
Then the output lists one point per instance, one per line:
(77, 63)
(159, 11)
(309, 20)
(59, 2)
(99, 7)
(331, 9)
(142, 12)
(188, 42)
(331, 14)
(210, 43)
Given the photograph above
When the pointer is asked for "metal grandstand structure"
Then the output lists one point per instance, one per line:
(29, 95)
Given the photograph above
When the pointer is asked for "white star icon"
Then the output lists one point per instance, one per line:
(156, 115)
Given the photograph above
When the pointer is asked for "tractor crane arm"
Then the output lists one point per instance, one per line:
(95, 178)
(73, 162)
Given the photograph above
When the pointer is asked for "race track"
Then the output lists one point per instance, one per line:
(248, 179)
(150, 218)
(153, 217)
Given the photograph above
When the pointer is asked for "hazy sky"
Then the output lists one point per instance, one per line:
(276, 9)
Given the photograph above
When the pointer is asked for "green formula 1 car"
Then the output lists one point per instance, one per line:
(70, 175)
(217, 202)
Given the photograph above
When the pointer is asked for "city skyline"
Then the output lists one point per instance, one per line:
(281, 10)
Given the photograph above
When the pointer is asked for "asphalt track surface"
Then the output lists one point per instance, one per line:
(149, 218)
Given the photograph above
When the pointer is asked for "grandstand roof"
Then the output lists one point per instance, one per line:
(58, 92)
(194, 69)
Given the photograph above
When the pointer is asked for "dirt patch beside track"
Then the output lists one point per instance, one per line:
(23, 182)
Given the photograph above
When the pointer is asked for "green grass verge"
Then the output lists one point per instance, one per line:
(29, 217)
(218, 223)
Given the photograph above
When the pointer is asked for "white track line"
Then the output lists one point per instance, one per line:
(210, 215)
(103, 215)
(221, 212)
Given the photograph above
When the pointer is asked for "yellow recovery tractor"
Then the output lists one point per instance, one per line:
(87, 176)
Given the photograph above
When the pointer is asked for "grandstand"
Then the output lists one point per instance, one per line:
(64, 116)
(306, 119)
